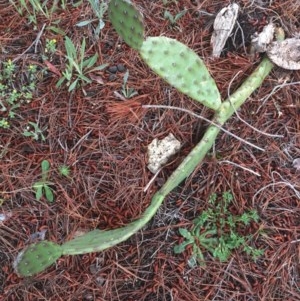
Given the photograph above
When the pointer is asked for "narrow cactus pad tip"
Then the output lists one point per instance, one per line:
(36, 258)
(127, 21)
(182, 68)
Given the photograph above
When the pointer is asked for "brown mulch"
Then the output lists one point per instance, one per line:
(105, 145)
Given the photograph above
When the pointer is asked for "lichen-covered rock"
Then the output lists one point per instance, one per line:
(261, 41)
(160, 151)
(285, 54)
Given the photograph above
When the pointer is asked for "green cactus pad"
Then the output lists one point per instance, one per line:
(182, 68)
(37, 257)
(95, 241)
(127, 21)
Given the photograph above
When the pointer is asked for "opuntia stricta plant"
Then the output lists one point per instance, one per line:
(182, 68)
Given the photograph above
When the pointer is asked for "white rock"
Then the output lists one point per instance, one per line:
(285, 54)
(262, 40)
(159, 152)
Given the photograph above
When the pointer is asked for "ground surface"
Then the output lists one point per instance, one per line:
(105, 146)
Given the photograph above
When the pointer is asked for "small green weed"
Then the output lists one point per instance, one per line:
(78, 66)
(42, 187)
(99, 10)
(127, 92)
(33, 8)
(16, 88)
(50, 46)
(216, 230)
(64, 170)
(50, 49)
(33, 130)
(4, 123)
(173, 19)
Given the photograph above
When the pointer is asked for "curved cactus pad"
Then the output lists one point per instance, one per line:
(182, 68)
(37, 257)
(96, 240)
(127, 21)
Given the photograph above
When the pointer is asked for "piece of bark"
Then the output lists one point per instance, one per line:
(223, 26)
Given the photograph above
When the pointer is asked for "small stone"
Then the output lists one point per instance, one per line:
(112, 69)
(121, 68)
(261, 41)
(285, 54)
(296, 164)
(112, 77)
(160, 151)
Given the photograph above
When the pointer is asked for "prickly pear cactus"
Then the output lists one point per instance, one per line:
(37, 257)
(127, 21)
(182, 68)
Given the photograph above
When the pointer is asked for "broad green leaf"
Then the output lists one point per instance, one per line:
(88, 63)
(84, 23)
(178, 249)
(48, 193)
(39, 192)
(56, 30)
(179, 15)
(84, 78)
(45, 165)
(60, 81)
(70, 48)
(185, 233)
(73, 85)
(99, 68)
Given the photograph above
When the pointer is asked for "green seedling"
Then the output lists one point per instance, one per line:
(4, 123)
(216, 230)
(64, 170)
(33, 8)
(99, 10)
(42, 187)
(78, 67)
(127, 92)
(51, 46)
(173, 19)
(50, 50)
(33, 131)
(182, 68)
